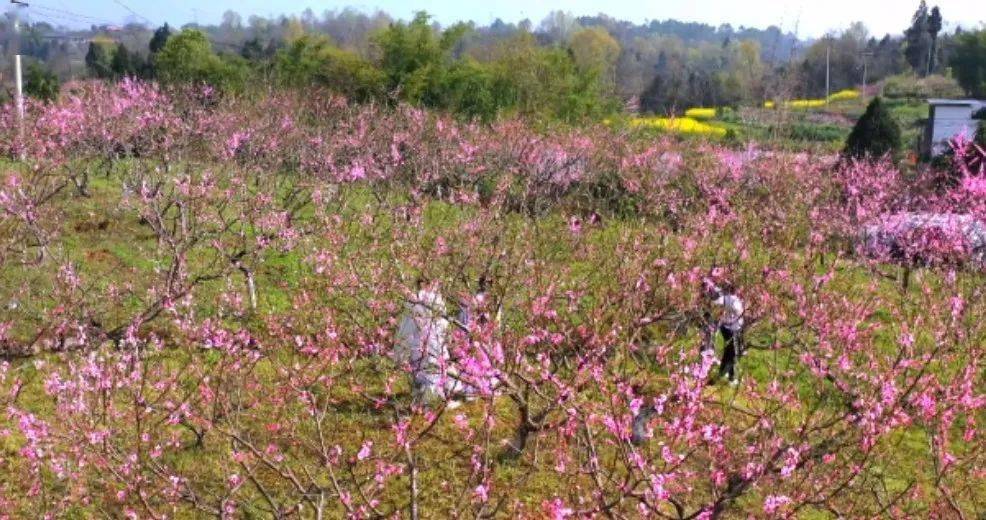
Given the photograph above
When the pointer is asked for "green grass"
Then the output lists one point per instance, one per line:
(118, 252)
(821, 129)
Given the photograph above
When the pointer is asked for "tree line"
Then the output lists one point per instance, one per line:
(565, 68)
(412, 61)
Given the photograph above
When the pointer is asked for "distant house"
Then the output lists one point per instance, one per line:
(948, 118)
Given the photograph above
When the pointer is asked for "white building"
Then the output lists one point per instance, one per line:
(948, 118)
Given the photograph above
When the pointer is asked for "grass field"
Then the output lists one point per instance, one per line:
(822, 128)
(140, 379)
(111, 247)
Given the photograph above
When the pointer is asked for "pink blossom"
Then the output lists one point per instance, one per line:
(556, 509)
(774, 503)
(365, 450)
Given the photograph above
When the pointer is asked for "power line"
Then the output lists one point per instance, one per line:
(116, 30)
(135, 13)
(66, 22)
(61, 11)
(76, 16)
(57, 17)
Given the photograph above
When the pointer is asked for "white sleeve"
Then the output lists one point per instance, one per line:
(407, 338)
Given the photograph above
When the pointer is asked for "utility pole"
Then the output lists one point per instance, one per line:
(866, 54)
(18, 76)
(931, 57)
(828, 60)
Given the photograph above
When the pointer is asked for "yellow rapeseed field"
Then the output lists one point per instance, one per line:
(805, 103)
(678, 125)
(701, 113)
(844, 95)
(802, 104)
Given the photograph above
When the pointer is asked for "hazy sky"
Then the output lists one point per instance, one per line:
(811, 18)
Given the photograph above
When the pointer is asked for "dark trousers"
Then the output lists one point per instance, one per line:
(733, 340)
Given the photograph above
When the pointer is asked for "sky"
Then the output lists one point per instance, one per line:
(809, 18)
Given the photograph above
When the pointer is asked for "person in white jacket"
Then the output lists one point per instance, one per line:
(422, 344)
(731, 328)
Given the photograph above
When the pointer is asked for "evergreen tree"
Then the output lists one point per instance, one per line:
(968, 61)
(656, 98)
(886, 58)
(41, 83)
(253, 50)
(98, 60)
(121, 64)
(917, 40)
(875, 135)
(139, 66)
(934, 27)
(160, 38)
(148, 68)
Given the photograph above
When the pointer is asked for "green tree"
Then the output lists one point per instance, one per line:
(41, 83)
(313, 61)
(253, 50)
(414, 57)
(121, 64)
(545, 81)
(841, 55)
(875, 135)
(595, 52)
(160, 38)
(969, 62)
(934, 27)
(187, 57)
(98, 60)
(477, 90)
(749, 70)
(917, 40)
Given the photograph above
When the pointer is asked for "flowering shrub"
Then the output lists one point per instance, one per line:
(927, 238)
(209, 329)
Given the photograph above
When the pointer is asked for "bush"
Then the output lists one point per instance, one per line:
(729, 115)
(311, 62)
(476, 90)
(41, 83)
(963, 157)
(908, 86)
(875, 135)
(814, 133)
(187, 57)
